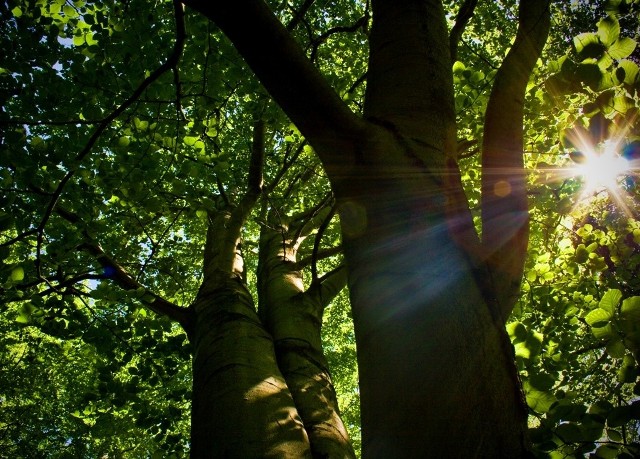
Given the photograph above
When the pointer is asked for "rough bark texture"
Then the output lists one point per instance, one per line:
(294, 318)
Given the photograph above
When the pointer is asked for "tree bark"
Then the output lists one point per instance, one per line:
(241, 406)
(294, 318)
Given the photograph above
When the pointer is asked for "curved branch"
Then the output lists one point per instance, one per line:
(327, 287)
(465, 13)
(505, 218)
(117, 273)
(120, 275)
(286, 72)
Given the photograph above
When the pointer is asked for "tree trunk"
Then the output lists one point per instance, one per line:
(437, 377)
(241, 406)
(294, 318)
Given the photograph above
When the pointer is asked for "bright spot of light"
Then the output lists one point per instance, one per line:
(602, 170)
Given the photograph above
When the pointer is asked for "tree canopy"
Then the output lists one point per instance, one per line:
(150, 167)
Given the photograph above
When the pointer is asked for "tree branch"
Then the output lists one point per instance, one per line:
(465, 13)
(505, 219)
(286, 72)
(325, 288)
(114, 271)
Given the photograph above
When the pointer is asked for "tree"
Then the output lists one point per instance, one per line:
(404, 219)
(108, 206)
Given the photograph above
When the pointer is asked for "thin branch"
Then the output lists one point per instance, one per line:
(299, 14)
(335, 30)
(320, 255)
(465, 13)
(316, 243)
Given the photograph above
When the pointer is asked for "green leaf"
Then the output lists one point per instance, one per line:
(539, 401)
(616, 349)
(622, 48)
(598, 317)
(588, 45)
(610, 300)
(589, 74)
(17, 11)
(631, 308)
(189, 140)
(458, 67)
(627, 374)
(607, 451)
(619, 416)
(17, 274)
(630, 70)
(569, 432)
(606, 332)
(6, 221)
(517, 331)
(542, 381)
(608, 30)
(614, 435)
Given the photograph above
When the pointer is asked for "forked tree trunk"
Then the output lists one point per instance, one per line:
(241, 406)
(294, 318)
(437, 376)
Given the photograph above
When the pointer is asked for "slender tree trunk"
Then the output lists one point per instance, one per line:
(242, 407)
(294, 318)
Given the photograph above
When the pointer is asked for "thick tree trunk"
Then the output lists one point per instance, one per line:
(241, 406)
(294, 318)
(437, 377)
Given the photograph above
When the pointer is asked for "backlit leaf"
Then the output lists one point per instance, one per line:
(610, 301)
(631, 308)
(622, 48)
(598, 317)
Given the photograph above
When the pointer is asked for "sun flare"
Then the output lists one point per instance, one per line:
(602, 171)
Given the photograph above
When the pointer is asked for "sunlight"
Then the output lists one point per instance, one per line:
(602, 171)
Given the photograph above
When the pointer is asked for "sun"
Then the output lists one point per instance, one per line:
(602, 170)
